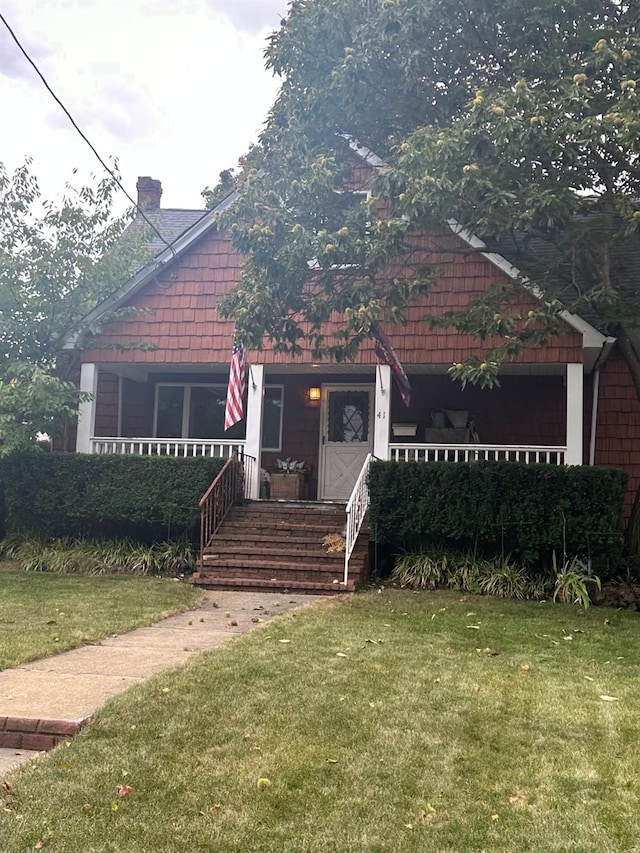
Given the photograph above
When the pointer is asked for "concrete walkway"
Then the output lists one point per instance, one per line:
(49, 699)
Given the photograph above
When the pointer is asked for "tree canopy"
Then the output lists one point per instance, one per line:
(519, 120)
(57, 260)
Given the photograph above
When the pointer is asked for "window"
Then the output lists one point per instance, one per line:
(197, 411)
(193, 411)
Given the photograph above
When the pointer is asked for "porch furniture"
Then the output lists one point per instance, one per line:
(447, 435)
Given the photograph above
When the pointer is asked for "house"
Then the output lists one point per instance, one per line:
(571, 402)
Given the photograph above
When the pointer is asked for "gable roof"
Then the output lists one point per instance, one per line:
(170, 222)
(180, 240)
(592, 337)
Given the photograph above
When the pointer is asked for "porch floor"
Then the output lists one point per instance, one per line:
(277, 546)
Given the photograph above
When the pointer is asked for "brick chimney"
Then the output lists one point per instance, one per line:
(149, 193)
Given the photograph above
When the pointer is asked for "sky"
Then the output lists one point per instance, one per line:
(173, 89)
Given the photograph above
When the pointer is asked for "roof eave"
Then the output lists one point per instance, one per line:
(148, 273)
(591, 337)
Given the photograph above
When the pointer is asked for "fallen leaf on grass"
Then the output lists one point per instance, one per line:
(518, 798)
(263, 782)
(87, 808)
(123, 790)
(525, 667)
(606, 698)
(38, 845)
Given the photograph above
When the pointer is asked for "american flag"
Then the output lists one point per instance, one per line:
(235, 390)
(386, 354)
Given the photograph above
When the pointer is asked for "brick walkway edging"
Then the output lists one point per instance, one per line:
(39, 735)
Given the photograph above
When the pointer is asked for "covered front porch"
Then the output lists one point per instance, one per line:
(332, 416)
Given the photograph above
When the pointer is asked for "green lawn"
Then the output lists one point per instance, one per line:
(41, 614)
(392, 721)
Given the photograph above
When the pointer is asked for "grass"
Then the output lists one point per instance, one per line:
(392, 721)
(41, 614)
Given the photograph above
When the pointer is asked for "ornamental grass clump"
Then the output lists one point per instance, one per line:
(80, 556)
(422, 569)
(468, 572)
(504, 579)
(573, 582)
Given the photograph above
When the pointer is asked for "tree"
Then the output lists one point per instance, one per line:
(57, 260)
(519, 120)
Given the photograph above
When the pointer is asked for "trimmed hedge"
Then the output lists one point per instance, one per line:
(145, 497)
(504, 507)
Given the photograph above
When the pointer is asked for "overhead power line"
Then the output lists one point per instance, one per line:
(113, 175)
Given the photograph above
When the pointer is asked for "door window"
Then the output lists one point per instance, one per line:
(348, 416)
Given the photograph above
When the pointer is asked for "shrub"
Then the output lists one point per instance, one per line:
(78, 495)
(422, 569)
(573, 582)
(499, 507)
(71, 556)
(502, 578)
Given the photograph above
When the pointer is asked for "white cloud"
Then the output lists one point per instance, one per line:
(13, 63)
(252, 16)
(171, 89)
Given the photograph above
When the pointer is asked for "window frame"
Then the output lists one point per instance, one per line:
(279, 447)
(186, 409)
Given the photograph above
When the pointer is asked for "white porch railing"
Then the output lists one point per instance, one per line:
(356, 510)
(179, 447)
(529, 454)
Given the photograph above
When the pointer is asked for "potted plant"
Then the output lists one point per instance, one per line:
(287, 481)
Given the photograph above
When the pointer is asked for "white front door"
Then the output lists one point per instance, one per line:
(346, 438)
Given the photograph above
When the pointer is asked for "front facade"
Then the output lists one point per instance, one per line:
(555, 404)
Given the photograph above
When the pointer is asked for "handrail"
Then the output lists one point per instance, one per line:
(357, 507)
(216, 502)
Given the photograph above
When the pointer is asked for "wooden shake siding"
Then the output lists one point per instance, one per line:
(618, 425)
(107, 411)
(181, 320)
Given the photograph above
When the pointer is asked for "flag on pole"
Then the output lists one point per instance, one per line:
(234, 410)
(386, 354)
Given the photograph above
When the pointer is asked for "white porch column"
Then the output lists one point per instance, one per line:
(575, 386)
(382, 412)
(255, 406)
(87, 408)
